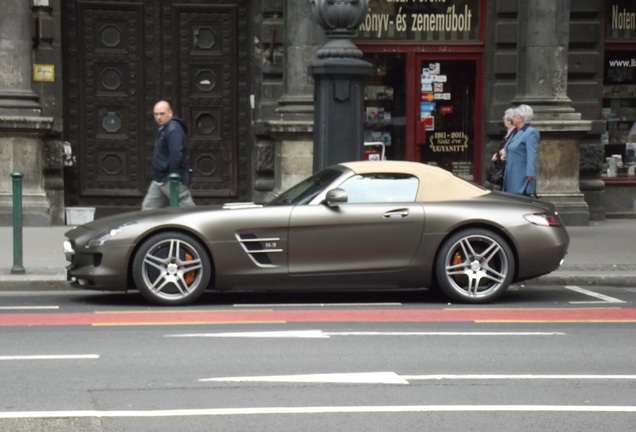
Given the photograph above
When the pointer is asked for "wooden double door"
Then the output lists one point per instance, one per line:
(120, 58)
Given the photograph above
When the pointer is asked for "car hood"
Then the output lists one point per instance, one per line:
(154, 217)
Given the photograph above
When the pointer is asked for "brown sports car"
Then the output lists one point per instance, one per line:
(357, 225)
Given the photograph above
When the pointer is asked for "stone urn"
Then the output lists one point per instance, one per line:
(340, 20)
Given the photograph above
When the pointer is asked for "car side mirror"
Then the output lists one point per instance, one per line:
(335, 197)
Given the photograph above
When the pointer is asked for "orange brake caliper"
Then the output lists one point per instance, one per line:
(457, 259)
(189, 276)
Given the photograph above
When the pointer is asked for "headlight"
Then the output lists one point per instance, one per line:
(108, 234)
(69, 252)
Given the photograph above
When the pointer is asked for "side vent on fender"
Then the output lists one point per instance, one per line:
(259, 249)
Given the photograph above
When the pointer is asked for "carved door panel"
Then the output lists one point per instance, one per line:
(120, 58)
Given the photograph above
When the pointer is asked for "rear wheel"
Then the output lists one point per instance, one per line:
(475, 266)
(171, 268)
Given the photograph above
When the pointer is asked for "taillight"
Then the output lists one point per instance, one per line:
(543, 219)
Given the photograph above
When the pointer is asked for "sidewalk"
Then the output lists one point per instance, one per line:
(603, 253)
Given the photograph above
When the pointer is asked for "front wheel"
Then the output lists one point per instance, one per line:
(475, 266)
(171, 268)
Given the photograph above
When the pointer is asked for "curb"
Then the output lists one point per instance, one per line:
(616, 279)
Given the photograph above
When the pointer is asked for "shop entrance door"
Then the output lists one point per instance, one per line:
(446, 123)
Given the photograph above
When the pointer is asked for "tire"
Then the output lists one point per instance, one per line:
(171, 268)
(474, 266)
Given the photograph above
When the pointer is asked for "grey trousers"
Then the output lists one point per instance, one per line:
(158, 196)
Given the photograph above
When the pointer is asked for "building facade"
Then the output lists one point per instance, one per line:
(79, 79)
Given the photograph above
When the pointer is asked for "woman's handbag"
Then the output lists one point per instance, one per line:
(534, 192)
(495, 172)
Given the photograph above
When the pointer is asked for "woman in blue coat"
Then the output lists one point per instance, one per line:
(520, 154)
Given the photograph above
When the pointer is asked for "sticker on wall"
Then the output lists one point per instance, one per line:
(440, 78)
(427, 87)
(44, 72)
(438, 87)
(428, 97)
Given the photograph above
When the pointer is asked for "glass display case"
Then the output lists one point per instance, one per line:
(619, 111)
(385, 107)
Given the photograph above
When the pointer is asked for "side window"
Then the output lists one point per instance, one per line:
(381, 188)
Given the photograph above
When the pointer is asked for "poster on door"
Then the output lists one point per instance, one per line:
(432, 89)
(446, 97)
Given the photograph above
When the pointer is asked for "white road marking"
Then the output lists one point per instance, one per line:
(52, 357)
(307, 334)
(281, 305)
(393, 378)
(446, 334)
(337, 378)
(320, 410)
(29, 307)
(319, 334)
(518, 377)
(603, 298)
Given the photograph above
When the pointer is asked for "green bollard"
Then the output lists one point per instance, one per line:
(174, 190)
(17, 268)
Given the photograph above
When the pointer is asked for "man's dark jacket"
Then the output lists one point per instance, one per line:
(171, 152)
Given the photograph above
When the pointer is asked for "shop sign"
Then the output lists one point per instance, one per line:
(620, 68)
(422, 20)
(448, 142)
(620, 20)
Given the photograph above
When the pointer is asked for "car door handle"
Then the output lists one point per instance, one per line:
(396, 213)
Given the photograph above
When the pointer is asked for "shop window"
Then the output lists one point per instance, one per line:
(385, 107)
(619, 111)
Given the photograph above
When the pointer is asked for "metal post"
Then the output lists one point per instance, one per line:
(174, 190)
(339, 74)
(17, 268)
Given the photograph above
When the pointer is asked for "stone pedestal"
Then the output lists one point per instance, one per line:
(558, 169)
(339, 122)
(293, 151)
(21, 150)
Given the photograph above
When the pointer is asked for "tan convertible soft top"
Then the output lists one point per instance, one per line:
(436, 184)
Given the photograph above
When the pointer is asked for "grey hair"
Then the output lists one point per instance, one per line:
(509, 113)
(526, 113)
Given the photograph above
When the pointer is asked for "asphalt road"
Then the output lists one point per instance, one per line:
(545, 358)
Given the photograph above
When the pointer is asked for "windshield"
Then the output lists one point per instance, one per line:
(307, 189)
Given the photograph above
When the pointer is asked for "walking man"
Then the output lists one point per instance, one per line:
(170, 155)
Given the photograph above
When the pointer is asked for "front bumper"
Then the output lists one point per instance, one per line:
(103, 268)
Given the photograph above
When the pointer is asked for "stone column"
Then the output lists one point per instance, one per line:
(21, 127)
(289, 156)
(542, 71)
(16, 95)
(339, 73)
(303, 37)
